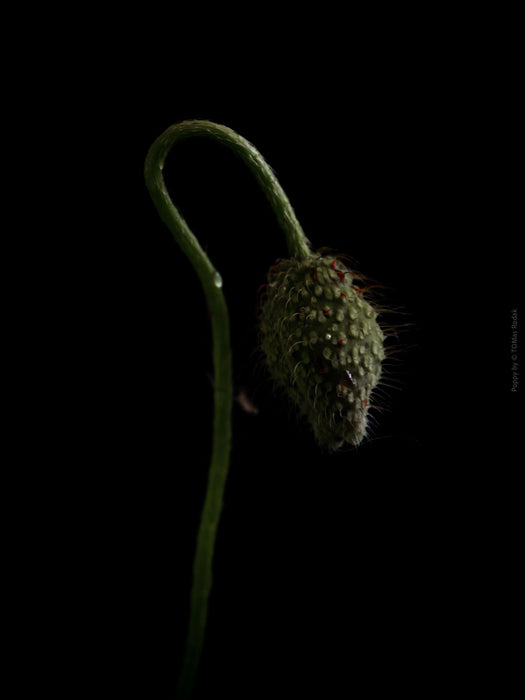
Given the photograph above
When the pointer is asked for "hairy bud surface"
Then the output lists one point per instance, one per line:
(322, 344)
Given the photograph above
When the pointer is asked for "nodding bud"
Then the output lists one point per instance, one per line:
(323, 345)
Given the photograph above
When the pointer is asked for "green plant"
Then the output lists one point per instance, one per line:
(323, 345)
(321, 340)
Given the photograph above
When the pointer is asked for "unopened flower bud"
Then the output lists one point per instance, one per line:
(323, 345)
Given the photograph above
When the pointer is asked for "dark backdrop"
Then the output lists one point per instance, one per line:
(386, 565)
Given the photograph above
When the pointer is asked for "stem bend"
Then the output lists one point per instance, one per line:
(212, 284)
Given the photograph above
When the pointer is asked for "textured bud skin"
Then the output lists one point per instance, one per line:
(322, 345)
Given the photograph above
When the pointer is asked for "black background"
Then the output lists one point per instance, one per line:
(390, 566)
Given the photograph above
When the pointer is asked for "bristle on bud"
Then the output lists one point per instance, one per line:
(323, 345)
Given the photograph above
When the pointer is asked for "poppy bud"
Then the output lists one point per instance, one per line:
(322, 344)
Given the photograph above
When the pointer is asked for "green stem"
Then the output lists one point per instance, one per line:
(212, 284)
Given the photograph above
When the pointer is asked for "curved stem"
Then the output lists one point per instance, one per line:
(212, 284)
